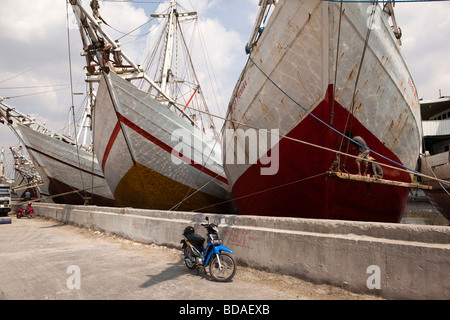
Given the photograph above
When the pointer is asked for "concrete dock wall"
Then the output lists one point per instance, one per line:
(394, 261)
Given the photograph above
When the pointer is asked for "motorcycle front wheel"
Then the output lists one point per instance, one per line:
(225, 270)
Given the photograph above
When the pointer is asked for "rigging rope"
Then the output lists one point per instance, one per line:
(262, 191)
(403, 168)
(129, 33)
(321, 121)
(300, 180)
(338, 159)
(187, 196)
(366, 42)
(62, 194)
(42, 92)
(40, 64)
(436, 178)
(336, 64)
(71, 96)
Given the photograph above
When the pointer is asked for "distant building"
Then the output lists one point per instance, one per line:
(436, 154)
(436, 125)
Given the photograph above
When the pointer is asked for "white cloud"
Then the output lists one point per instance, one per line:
(124, 18)
(31, 21)
(426, 30)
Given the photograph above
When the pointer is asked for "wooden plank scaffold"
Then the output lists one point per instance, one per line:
(354, 177)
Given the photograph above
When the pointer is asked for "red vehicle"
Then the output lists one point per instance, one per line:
(29, 212)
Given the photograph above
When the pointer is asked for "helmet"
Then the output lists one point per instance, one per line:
(189, 230)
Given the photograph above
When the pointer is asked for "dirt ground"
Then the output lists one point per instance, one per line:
(292, 286)
(116, 268)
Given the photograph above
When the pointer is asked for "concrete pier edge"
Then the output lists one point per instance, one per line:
(393, 261)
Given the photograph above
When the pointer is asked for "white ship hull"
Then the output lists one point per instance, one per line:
(135, 145)
(64, 170)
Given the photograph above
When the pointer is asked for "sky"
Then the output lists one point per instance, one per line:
(36, 69)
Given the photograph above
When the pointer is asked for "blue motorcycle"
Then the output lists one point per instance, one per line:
(221, 264)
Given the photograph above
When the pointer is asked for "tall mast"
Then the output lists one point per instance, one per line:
(2, 165)
(85, 124)
(11, 115)
(168, 54)
(167, 70)
(102, 52)
(257, 30)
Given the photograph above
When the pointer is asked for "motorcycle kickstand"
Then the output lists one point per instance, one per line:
(201, 268)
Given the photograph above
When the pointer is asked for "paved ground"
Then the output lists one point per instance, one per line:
(44, 259)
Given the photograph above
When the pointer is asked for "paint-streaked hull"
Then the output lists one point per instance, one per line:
(133, 138)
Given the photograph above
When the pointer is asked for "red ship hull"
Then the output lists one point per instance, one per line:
(301, 187)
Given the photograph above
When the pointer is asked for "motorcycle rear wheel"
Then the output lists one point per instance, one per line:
(189, 261)
(227, 269)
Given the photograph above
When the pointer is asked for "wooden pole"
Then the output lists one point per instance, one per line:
(355, 177)
(62, 194)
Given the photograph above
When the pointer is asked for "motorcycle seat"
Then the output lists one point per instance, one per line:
(196, 240)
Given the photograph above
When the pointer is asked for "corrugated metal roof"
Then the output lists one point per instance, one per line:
(433, 107)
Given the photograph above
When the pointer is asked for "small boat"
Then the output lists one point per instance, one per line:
(435, 161)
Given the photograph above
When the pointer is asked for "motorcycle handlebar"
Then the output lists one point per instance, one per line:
(206, 225)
